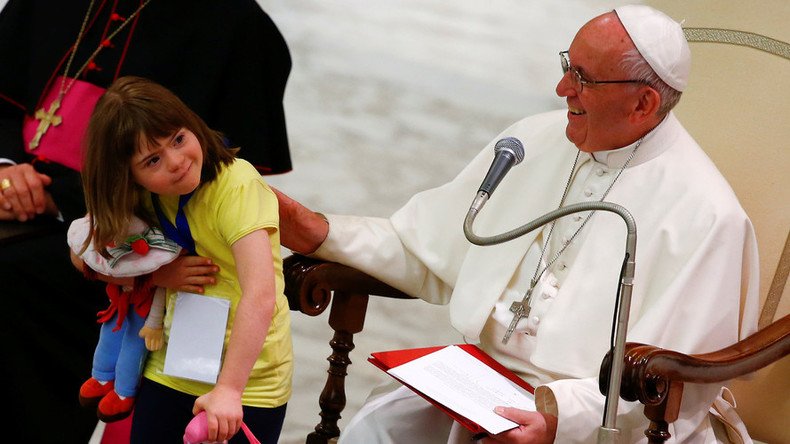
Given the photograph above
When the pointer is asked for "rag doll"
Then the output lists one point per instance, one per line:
(132, 324)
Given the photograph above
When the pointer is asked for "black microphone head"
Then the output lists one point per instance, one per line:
(511, 145)
(507, 153)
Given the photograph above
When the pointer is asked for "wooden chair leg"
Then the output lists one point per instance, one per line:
(346, 318)
(664, 413)
(658, 431)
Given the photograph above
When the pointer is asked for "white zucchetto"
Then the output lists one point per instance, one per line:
(661, 42)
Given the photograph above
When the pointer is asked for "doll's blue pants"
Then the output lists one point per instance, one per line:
(120, 355)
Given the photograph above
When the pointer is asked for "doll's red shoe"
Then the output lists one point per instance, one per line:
(91, 392)
(113, 408)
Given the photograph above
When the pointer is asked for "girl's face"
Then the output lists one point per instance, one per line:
(171, 166)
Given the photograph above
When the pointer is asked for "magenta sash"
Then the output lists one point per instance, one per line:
(63, 143)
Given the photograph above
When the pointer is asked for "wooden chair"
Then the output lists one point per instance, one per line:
(311, 285)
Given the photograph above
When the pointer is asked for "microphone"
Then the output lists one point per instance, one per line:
(507, 152)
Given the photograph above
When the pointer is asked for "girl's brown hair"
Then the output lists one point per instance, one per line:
(133, 112)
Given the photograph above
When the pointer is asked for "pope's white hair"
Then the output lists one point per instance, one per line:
(637, 68)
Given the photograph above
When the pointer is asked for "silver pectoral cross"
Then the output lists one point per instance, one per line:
(520, 310)
(45, 119)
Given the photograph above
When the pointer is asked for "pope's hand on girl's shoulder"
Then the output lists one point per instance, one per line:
(301, 229)
(186, 273)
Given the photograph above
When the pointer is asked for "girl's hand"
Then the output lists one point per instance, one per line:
(187, 273)
(223, 412)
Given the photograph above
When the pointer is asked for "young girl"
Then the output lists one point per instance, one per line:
(147, 154)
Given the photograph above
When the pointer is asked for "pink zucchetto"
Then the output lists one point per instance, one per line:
(661, 42)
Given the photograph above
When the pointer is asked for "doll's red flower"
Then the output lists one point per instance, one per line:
(140, 246)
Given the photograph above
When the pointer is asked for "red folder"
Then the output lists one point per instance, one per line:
(390, 359)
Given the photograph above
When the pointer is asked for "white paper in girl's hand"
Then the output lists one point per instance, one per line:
(197, 335)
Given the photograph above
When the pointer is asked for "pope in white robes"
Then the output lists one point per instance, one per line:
(696, 260)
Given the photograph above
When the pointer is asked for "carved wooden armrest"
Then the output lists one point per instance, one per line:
(310, 286)
(655, 377)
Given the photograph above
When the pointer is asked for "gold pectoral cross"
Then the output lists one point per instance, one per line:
(45, 120)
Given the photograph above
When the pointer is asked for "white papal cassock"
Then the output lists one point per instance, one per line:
(696, 259)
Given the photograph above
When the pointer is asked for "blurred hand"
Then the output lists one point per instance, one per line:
(26, 197)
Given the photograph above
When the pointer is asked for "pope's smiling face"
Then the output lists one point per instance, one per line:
(598, 115)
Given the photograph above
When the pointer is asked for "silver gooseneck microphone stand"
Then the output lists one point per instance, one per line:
(608, 432)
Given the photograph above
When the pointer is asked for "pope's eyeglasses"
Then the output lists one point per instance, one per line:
(577, 79)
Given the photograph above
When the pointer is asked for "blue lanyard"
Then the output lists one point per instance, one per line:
(180, 233)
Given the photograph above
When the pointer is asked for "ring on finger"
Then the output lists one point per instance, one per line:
(5, 184)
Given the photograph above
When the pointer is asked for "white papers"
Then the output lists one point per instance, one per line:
(456, 379)
(197, 335)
